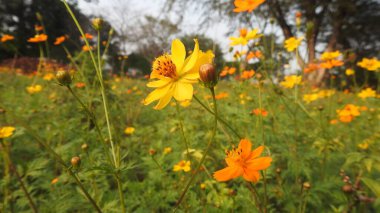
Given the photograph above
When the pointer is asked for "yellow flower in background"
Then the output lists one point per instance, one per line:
(291, 80)
(350, 72)
(369, 64)
(363, 146)
(202, 186)
(6, 131)
(245, 36)
(176, 74)
(167, 150)
(367, 93)
(185, 103)
(182, 165)
(292, 43)
(129, 130)
(326, 93)
(246, 5)
(330, 55)
(49, 76)
(34, 89)
(308, 98)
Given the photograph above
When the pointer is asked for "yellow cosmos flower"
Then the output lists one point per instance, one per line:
(292, 43)
(369, 64)
(367, 93)
(49, 76)
(129, 130)
(308, 98)
(182, 165)
(245, 36)
(6, 131)
(330, 55)
(167, 150)
(291, 80)
(176, 74)
(34, 89)
(350, 72)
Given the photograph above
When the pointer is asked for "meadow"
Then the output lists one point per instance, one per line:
(191, 136)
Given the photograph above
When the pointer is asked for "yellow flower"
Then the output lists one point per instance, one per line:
(176, 74)
(48, 77)
(34, 89)
(129, 130)
(182, 165)
(167, 150)
(245, 36)
(367, 93)
(6, 131)
(292, 43)
(326, 56)
(291, 80)
(308, 98)
(326, 93)
(350, 72)
(202, 186)
(363, 146)
(369, 64)
(185, 103)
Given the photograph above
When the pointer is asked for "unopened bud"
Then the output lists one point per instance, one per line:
(320, 108)
(278, 170)
(208, 75)
(306, 185)
(97, 23)
(347, 188)
(39, 16)
(84, 147)
(63, 78)
(152, 152)
(75, 162)
(2, 111)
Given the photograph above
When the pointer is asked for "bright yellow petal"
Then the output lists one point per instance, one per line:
(165, 99)
(183, 91)
(157, 94)
(160, 83)
(192, 59)
(178, 54)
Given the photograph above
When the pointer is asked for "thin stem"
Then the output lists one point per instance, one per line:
(158, 165)
(252, 188)
(219, 118)
(183, 131)
(204, 154)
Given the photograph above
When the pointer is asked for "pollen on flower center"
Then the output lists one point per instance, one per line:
(164, 66)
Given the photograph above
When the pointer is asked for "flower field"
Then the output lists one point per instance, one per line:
(189, 134)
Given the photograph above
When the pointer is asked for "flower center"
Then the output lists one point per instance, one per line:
(164, 66)
(243, 32)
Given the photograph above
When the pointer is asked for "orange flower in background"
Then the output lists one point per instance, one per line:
(227, 71)
(221, 95)
(85, 48)
(232, 70)
(256, 54)
(247, 74)
(334, 121)
(243, 162)
(246, 5)
(261, 112)
(348, 113)
(59, 40)
(7, 37)
(80, 85)
(311, 67)
(88, 36)
(38, 28)
(38, 38)
(367, 93)
(332, 63)
(330, 55)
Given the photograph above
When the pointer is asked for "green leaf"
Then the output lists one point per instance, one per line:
(373, 185)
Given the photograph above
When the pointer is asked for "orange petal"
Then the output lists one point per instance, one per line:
(257, 152)
(228, 173)
(259, 163)
(245, 147)
(253, 176)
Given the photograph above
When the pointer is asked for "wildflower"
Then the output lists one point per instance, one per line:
(221, 95)
(6, 131)
(331, 64)
(75, 162)
(38, 38)
(363, 146)
(167, 150)
(208, 75)
(298, 18)
(6, 38)
(54, 181)
(245, 36)
(243, 162)
(34, 89)
(86, 48)
(59, 40)
(247, 74)
(330, 55)
(261, 112)
(308, 98)
(202, 186)
(367, 93)
(311, 67)
(246, 5)
(369, 64)
(326, 93)
(348, 113)
(291, 80)
(334, 121)
(363, 108)
(292, 43)
(38, 28)
(176, 74)
(256, 54)
(87, 36)
(185, 103)
(97, 23)
(48, 76)
(80, 84)
(182, 165)
(152, 152)
(129, 130)
(64, 78)
(350, 72)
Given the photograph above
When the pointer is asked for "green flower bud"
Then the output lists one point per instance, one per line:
(64, 78)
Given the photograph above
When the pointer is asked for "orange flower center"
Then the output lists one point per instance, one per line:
(164, 66)
(243, 32)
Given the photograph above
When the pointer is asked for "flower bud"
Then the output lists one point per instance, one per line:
(75, 162)
(306, 185)
(152, 152)
(39, 16)
(2, 111)
(63, 78)
(97, 23)
(208, 75)
(347, 188)
(84, 147)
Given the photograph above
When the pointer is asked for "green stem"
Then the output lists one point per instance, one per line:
(183, 131)
(204, 154)
(252, 188)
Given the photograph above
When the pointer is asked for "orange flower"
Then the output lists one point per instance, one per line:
(38, 38)
(232, 70)
(261, 112)
(80, 85)
(348, 113)
(85, 48)
(7, 37)
(243, 162)
(59, 40)
(38, 28)
(332, 63)
(221, 95)
(223, 73)
(247, 74)
(311, 67)
(88, 36)
(246, 5)
(334, 121)
(256, 54)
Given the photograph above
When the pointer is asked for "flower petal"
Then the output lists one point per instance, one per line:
(183, 91)
(258, 163)
(165, 99)
(228, 173)
(257, 152)
(178, 54)
(245, 146)
(159, 83)
(157, 94)
(192, 59)
(252, 176)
